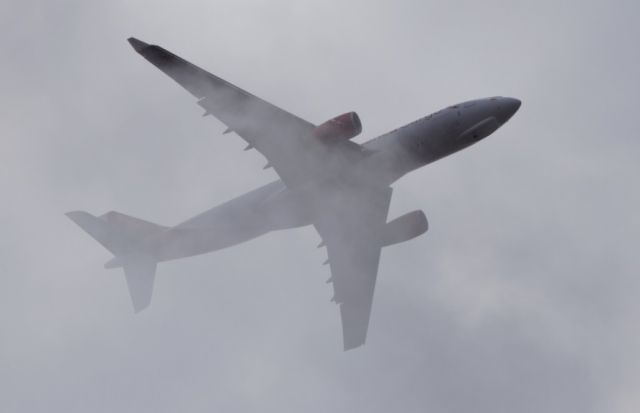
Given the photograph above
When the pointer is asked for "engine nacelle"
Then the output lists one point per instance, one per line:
(404, 228)
(340, 128)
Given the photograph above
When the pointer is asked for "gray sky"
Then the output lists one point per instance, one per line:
(521, 297)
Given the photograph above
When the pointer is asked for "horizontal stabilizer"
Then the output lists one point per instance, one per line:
(125, 237)
(119, 233)
(101, 231)
(135, 229)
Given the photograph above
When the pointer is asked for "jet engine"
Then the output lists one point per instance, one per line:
(340, 128)
(404, 228)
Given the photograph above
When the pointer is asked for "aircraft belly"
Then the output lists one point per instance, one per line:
(270, 208)
(180, 243)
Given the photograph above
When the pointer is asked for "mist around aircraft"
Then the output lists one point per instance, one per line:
(340, 187)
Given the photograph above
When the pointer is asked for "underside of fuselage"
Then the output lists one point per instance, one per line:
(275, 207)
(268, 208)
(433, 137)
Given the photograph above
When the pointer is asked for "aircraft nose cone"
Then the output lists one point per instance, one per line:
(508, 107)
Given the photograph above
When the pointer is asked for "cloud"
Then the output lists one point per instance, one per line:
(521, 297)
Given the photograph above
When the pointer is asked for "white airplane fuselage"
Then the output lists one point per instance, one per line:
(340, 187)
(275, 207)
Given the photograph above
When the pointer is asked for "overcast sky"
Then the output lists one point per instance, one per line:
(522, 297)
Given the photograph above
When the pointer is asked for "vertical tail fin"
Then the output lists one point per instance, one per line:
(124, 237)
(140, 272)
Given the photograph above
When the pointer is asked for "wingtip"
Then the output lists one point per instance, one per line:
(76, 215)
(138, 45)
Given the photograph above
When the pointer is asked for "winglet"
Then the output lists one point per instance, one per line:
(138, 45)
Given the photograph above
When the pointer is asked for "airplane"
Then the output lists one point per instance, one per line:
(327, 180)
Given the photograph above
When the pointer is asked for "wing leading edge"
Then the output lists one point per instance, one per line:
(283, 138)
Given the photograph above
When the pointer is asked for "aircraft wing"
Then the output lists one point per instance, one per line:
(351, 227)
(284, 139)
